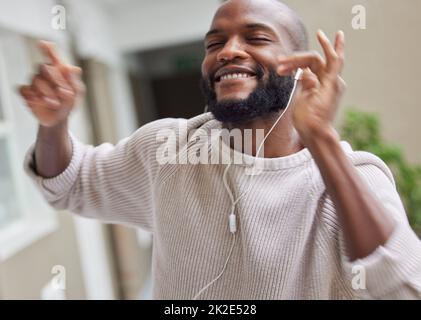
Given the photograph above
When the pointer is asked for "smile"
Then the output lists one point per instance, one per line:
(234, 73)
(235, 76)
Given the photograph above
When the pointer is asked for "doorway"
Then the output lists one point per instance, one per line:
(166, 82)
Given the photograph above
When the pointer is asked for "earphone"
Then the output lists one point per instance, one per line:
(232, 221)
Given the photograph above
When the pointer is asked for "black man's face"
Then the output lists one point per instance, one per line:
(242, 48)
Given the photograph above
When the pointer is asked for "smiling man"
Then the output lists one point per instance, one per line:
(320, 221)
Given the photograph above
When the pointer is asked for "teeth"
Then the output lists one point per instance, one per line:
(235, 76)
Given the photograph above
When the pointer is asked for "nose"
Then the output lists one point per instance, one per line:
(232, 50)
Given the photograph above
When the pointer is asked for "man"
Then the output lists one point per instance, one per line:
(319, 221)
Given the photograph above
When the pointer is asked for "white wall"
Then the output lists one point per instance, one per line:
(382, 68)
(91, 26)
(139, 25)
(28, 17)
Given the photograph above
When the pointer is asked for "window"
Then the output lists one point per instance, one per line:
(9, 204)
(9, 210)
(24, 215)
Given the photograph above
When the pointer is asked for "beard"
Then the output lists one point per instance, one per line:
(270, 96)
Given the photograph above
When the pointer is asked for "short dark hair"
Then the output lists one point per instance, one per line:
(296, 29)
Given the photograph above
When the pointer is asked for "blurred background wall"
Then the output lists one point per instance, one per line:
(141, 61)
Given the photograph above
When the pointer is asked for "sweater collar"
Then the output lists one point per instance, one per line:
(266, 164)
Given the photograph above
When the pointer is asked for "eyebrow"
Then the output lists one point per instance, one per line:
(247, 26)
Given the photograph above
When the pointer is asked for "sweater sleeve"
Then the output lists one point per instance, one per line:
(392, 271)
(111, 183)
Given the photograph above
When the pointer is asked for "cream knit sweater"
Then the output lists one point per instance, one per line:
(289, 242)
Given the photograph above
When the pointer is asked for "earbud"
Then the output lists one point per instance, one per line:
(299, 74)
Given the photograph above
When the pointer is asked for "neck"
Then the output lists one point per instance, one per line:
(283, 141)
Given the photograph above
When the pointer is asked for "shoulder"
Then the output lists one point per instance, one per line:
(150, 138)
(373, 169)
(178, 126)
(379, 180)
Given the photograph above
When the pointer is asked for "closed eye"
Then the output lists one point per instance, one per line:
(214, 44)
(259, 39)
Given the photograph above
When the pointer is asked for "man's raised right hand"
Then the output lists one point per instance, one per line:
(55, 90)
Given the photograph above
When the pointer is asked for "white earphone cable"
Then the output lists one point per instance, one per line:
(222, 272)
(232, 220)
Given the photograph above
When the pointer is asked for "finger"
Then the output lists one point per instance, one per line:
(75, 82)
(43, 88)
(45, 93)
(53, 74)
(34, 100)
(76, 70)
(50, 51)
(340, 48)
(340, 44)
(26, 92)
(69, 71)
(63, 89)
(40, 103)
(303, 60)
(330, 53)
(309, 80)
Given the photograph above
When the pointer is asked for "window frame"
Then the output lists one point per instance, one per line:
(31, 225)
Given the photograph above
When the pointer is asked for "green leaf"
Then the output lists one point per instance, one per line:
(362, 131)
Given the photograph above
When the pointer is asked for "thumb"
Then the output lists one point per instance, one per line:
(69, 70)
(309, 80)
(75, 70)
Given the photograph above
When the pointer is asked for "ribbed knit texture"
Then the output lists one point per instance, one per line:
(289, 241)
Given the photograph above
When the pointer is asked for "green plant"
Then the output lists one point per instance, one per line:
(362, 131)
